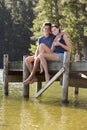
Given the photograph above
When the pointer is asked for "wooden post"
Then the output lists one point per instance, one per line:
(25, 75)
(39, 85)
(5, 73)
(77, 58)
(66, 62)
(76, 91)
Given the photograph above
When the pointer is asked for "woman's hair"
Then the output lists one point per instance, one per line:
(56, 26)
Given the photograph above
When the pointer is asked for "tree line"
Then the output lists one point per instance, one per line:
(70, 15)
(16, 18)
(21, 24)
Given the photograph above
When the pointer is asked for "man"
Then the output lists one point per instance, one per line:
(47, 39)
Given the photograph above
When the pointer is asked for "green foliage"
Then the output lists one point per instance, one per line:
(45, 11)
(70, 15)
(32, 49)
(16, 18)
(75, 17)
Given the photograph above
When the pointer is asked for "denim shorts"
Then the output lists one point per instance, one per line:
(61, 56)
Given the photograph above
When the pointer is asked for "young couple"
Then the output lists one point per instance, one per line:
(50, 47)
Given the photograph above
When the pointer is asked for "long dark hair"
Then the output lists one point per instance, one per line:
(56, 27)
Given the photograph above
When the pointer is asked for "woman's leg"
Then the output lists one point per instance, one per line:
(41, 68)
(47, 57)
(43, 49)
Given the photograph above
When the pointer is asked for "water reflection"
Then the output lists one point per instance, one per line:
(2, 114)
(63, 119)
(44, 113)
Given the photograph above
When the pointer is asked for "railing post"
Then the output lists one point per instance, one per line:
(66, 63)
(39, 85)
(5, 73)
(25, 75)
(77, 58)
(76, 91)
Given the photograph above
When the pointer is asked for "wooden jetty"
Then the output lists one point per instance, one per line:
(73, 74)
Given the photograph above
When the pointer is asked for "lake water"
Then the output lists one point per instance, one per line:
(45, 113)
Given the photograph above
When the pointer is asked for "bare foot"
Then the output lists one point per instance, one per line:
(41, 69)
(28, 80)
(33, 80)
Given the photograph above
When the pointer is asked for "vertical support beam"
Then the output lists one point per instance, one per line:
(76, 91)
(39, 85)
(25, 75)
(77, 58)
(66, 62)
(5, 73)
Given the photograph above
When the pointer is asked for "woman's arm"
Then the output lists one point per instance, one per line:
(67, 47)
(53, 47)
(56, 40)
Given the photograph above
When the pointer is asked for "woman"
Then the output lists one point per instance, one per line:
(59, 46)
(56, 53)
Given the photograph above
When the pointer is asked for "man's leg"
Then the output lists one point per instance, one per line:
(32, 77)
(29, 62)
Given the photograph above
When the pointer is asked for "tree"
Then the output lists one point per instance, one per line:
(16, 18)
(74, 22)
(44, 11)
(68, 14)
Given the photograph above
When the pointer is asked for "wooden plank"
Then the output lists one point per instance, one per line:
(49, 83)
(15, 70)
(16, 65)
(15, 78)
(15, 73)
(82, 83)
(54, 65)
(80, 66)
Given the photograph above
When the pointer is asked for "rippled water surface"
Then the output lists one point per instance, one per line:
(45, 113)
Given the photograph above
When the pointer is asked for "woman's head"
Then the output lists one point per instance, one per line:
(55, 29)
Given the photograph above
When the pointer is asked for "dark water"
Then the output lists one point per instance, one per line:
(44, 113)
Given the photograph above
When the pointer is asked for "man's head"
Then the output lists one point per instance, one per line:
(47, 29)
